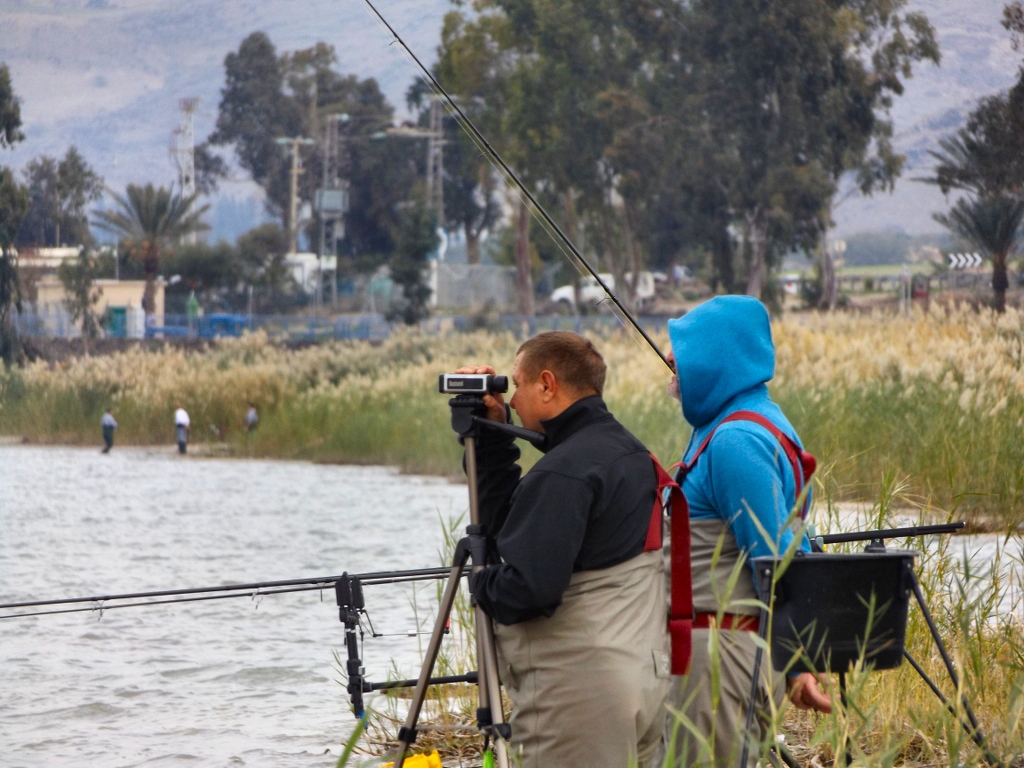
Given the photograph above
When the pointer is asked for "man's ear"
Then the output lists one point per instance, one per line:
(547, 378)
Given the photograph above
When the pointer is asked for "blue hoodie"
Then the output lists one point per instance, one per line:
(724, 357)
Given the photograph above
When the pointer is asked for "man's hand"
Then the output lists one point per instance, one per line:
(805, 692)
(495, 403)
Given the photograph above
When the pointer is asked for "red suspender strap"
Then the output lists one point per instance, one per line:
(680, 617)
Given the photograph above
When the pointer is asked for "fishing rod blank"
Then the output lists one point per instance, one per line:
(250, 589)
(101, 607)
(497, 158)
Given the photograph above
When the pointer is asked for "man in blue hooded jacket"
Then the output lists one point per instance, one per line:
(741, 490)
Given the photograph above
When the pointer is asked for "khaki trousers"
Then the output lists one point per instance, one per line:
(589, 684)
(719, 716)
(720, 725)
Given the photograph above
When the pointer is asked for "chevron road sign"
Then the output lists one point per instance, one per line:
(964, 260)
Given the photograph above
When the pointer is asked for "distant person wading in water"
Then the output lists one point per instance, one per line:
(109, 426)
(181, 428)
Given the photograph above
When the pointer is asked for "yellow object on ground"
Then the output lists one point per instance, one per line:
(432, 760)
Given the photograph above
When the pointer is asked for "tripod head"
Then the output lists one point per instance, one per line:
(468, 417)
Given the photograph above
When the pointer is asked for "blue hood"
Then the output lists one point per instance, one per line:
(722, 348)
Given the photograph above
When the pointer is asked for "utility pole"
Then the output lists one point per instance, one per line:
(435, 161)
(183, 151)
(331, 202)
(293, 203)
(435, 155)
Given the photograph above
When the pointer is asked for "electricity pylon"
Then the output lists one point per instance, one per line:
(183, 151)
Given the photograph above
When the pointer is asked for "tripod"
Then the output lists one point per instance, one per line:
(467, 421)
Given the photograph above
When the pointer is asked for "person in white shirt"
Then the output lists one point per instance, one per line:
(181, 428)
(109, 426)
(252, 418)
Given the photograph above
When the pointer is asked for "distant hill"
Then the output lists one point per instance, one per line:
(106, 75)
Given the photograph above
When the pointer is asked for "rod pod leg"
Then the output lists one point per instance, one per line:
(764, 594)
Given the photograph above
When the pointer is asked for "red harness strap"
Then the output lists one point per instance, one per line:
(802, 463)
(680, 616)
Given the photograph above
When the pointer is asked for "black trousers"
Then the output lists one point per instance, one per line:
(108, 438)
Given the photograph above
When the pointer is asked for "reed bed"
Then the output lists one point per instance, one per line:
(935, 399)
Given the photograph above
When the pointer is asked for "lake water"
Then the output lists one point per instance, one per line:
(223, 683)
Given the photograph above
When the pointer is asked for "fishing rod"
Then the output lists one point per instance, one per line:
(481, 140)
(220, 592)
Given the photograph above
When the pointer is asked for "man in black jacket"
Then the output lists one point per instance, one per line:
(579, 606)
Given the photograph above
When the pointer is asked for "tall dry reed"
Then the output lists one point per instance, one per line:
(935, 399)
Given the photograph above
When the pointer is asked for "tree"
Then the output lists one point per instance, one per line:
(991, 224)
(214, 272)
(797, 95)
(38, 227)
(81, 293)
(210, 169)
(267, 96)
(151, 219)
(985, 159)
(530, 85)
(10, 111)
(986, 155)
(261, 253)
(726, 124)
(254, 111)
(13, 204)
(416, 239)
(58, 194)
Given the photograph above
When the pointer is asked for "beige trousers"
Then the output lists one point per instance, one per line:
(589, 684)
(719, 724)
(718, 714)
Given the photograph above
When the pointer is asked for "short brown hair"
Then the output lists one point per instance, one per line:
(573, 359)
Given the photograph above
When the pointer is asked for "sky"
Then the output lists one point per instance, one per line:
(107, 75)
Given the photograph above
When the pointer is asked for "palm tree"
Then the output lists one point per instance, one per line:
(989, 223)
(150, 219)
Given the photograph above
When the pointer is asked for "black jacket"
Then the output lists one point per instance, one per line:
(585, 505)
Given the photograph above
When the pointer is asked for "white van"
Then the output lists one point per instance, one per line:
(564, 298)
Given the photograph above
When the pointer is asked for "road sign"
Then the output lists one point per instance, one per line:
(964, 260)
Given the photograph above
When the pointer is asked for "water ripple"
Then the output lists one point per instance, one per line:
(226, 683)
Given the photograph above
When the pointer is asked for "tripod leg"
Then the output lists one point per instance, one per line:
(407, 734)
(975, 734)
(491, 692)
(489, 708)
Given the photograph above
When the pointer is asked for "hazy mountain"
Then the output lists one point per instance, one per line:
(106, 75)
